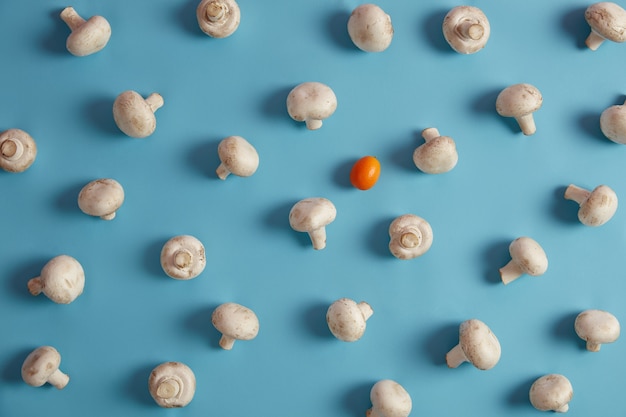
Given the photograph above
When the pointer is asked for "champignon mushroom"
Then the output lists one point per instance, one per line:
(101, 198)
(172, 384)
(183, 257)
(235, 322)
(41, 366)
(410, 236)
(389, 399)
(437, 155)
(466, 29)
(134, 115)
(551, 392)
(596, 207)
(17, 150)
(527, 257)
(347, 319)
(370, 28)
(520, 101)
(312, 215)
(607, 21)
(218, 18)
(597, 327)
(311, 102)
(237, 157)
(88, 36)
(62, 280)
(613, 123)
(477, 345)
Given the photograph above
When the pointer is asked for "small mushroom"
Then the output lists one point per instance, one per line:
(389, 399)
(88, 36)
(437, 155)
(17, 150)
(218, 18)
(466, 29)
(607, 21)
(597, 327)
(596, 207)
(370, 28)
(312, 215)
(237, 157)
(613, 123)
(172, 384)
(527, 257)
(347, 319)
(183, 257)
(134, 115)
(311, 102)
(62, 280)
(520, 101)
(41, 366)
(410, 236)
(551, 392)
(101, 198)
(235, 322)
(477, 345)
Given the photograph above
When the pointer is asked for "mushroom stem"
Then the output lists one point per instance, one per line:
(227, 342)
(58, 379)
(12, 149)
(562, 409)
(527, 124)
(594, 40)
(318, 238)
(168, 388)
(410, 238)
(216, 10)
(366, 309)
(35, 286)
(455, 357)
(593, 346)
(469, 29)
(182, 258)
(577, 194)
(71, 18)
(313, 124)
(222, 171)
(510, 272)
(430, 133)
(154, 101)
(109, 216)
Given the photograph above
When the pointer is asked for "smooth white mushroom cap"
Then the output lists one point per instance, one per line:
(347, 319)
(88, 36)
(218, 18)
(613, 123)
(551, 392)
(607, 21)
(41, 366)
(437, 155)
(62, 280)
(520, 101)
(370, 28)
(17, 150)
(134, 115)
(172, 384)
(466, 29)
(237, 157)
(597, 327)
(312, 215)
(410, 236)
(477, 345)
(596, 207)
(183, 257)
(311, 102)
(235, 322)
(101, 198)
(389, 399)
(527, 257)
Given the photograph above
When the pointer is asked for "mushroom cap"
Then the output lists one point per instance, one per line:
(183, 257)
(17, 150)
(62, 279)
(370, 28)
(597, 326)
(238, 155)
(466, 15)
(529, 256)
(347, 320)
(172, 384)
(518, 100)
(613, 123)
(311, 214)
(311, 100)
(479, 344)
(222, 27)
(410, 236)
(134, 115)
(39, 365)
(101, 198)
(390, 399)
(436, 156)
(599, 207)
(236, 321)
(608, 20)
(551, 392)
(89, 38)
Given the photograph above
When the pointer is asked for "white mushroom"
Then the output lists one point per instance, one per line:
(613, 123)
(466, 29)
(17, 150)
(410, 236)
(527, 257)
(520, 101)
(347, 319)
(62, 280)
(235, 322)
(183, 257)
(596, 207)
(437, 155)
(88, 36)
(370, 28)
(389, 399)
(41, 366)
(172, 384)
(134, 115)
(597, 327)
(312, 215)
(237, 157)
(311, 102)
(551, 392)
(607, 21)
(477, 345)
(101, 198)
(218, 18)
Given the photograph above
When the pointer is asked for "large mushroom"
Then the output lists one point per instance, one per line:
(466, 29)
(597, 327)
(237, 157)
(17, 150)
(88, 36)
(527, 257)
(389, 399)
(235, 322)
(370, 28)
(134, 115)
(62, 280)
(607, 21)
(551, 392)
(218, 18)
(596, 207)
(312, 215)
(410, 236)
(347, 319)
(477, 345)
(437, 155)
(613, 123)
(520, 101)
(172, 384)
(41, 366)
(101, 198)
(183, 257)
(311, 102)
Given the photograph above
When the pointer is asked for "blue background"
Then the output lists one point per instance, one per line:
(131, 316)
